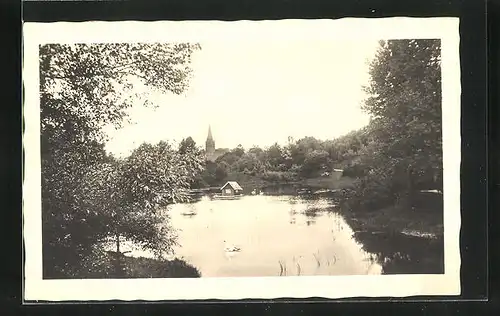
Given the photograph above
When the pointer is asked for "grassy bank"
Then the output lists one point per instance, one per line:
(397, 219)
(405, 241)
(107, 264)
(331, 183)
(153, 268)
(250, 182)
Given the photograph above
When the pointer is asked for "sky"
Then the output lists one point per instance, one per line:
(258, 93)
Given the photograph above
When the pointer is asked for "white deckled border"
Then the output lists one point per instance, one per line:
(446, 29)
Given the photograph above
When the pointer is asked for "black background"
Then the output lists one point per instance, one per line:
(475, 171)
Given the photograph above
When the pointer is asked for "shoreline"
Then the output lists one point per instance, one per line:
(396, 220)
(104, 264)
(416, 245)
(416, 236)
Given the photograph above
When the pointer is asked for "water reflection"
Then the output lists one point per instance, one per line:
(290, 236)
(278, 235)
(403, 254)
(309, 222)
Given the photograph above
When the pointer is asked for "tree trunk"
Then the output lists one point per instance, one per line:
(117, 243)
(410, 188)
(119, 268)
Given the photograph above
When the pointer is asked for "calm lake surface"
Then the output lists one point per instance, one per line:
(278, 235)
(288, 235)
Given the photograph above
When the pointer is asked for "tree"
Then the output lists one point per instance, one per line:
(86, 86)
(208, 176)
(404, 101)
(257, 151)
(221, 171)
(238, 151)
(188, 145)
(229, 158)
(314, 162)
(301, 147)
(131, 192)
(274, 156)
(83, 88)
(250, 163)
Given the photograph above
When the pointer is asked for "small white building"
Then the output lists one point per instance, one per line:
(231, 188)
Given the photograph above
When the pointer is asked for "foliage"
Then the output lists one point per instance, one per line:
(355, 171)
(127, 195)
(101, 265)
(86, 86)
(279, 176)
(221, 171)
(305, 158)
(315, 161)
(83, 88)
(188, 145)
(402, 151)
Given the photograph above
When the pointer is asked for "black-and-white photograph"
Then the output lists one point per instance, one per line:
(240, 157)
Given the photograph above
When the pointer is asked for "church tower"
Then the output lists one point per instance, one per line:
(210, 143)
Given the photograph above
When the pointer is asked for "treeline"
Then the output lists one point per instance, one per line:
(88, 196)
(299, 159)
(398, 154)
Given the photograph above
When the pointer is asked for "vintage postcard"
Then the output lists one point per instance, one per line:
(236, 160)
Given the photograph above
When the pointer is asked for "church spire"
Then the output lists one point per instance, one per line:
(210, 143)
(210, 133)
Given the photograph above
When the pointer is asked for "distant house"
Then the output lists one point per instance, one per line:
(337, 173)
(231, 188)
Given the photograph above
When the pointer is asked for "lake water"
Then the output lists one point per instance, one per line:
(289, 235)
(278, 235)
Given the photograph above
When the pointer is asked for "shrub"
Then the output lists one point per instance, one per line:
(355, 171)
(278, 176)
(369, 194)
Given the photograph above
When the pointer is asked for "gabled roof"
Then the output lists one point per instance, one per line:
(233, 184)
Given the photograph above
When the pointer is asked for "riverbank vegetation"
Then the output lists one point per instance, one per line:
(402, 155)
(306, 161)
(87, 195)
(111, 264)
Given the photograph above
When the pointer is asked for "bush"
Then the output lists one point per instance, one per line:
(101, 264)
(153, 268)
(369, 194)
(355, 171)
(279, 176)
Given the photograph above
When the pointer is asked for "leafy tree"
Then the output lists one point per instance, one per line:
(238, 151)
(128, 194)
(299, 149)
(221, 171)
(250, 163)
(315, 161)
(208, 175)
(406, 101)
(84, 87)
(188, 145)
(274, 156)
(404, 145)
(230, 158)
(257, 151)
